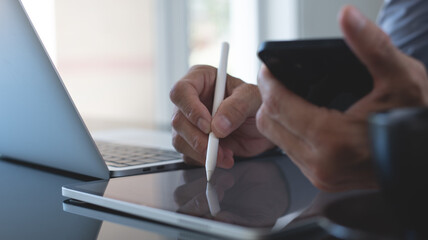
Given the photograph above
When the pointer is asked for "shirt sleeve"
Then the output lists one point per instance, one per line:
(406, 22)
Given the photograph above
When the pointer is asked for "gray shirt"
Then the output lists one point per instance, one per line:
(406, 22)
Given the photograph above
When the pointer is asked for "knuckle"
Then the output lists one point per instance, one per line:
(191, 114)
(177, 142)
(253, 93)
(198, 145)
(272, 105)
(233, 83)
(182, 147)
(176, 92)
(177, 119)
(206, 73)
(240, 109)
(201, 68)
(261, 122)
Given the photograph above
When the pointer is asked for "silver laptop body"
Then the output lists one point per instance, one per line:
(38, 120)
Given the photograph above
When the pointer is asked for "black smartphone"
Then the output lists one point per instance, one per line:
(325, 71)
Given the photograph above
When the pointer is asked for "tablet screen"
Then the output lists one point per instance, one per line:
(264, 193)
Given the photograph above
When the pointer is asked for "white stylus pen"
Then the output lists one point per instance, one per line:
(220, 87)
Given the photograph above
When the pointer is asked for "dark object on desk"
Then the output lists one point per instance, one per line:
(363, 216)
(325, 72)
(400, 152)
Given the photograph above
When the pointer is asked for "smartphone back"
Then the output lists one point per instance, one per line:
(325, 72)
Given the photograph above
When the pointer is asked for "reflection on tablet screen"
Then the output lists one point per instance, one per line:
(264, 193)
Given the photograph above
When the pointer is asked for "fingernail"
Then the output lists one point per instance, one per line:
(356, 19)
(204, 125)
(223, 124)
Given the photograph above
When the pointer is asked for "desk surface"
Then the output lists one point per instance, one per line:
(32, 208)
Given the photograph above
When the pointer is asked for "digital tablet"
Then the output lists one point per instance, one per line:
(323, 71)
(119, 224)
(255, 199)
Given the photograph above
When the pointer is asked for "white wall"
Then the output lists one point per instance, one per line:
(319, 18)
(296, 19)
(42, 15)
(278, 20)
(106, 58)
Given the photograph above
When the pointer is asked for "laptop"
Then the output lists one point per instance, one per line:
(39, 122)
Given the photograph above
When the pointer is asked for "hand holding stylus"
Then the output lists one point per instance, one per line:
(234, 121)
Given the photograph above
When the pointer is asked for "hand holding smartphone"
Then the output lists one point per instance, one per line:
(324, 72)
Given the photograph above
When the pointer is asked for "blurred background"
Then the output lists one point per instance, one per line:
(119, 59)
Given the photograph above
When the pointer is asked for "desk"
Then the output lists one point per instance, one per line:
(32, 208)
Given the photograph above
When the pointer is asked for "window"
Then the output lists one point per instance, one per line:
(119, 59)
(214, 21)
(104, 51)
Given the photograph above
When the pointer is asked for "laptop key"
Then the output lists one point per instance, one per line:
(163, 158)
(116, 165)
(118, 155)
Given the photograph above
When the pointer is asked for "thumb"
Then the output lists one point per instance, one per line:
(369, 43)
(243, 103)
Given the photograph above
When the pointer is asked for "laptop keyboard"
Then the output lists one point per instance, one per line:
(118, 155)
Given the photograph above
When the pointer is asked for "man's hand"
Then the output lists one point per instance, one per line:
(331, 147)
(234, 123)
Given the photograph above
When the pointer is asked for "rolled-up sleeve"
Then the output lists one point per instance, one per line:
(406, 22)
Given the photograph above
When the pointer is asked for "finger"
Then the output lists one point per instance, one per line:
(371, 45)
(190, 157)
(190, 93)
(293, 112)
(194, 137)
(292, 145)
(242, 103)
(225, 160)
